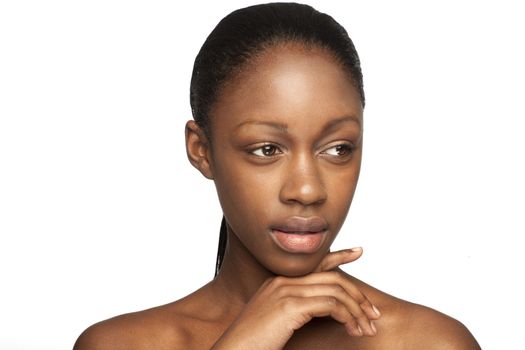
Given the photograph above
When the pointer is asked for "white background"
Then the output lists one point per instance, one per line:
(101, 213)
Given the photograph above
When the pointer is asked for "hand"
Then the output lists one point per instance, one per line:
(283, 305)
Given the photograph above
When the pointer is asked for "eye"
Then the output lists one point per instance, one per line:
(340, 150)
(266, 151)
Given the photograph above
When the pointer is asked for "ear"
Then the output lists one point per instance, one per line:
(197, 149)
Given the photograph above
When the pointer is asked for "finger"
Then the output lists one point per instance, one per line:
(352, 306)
(321, 306)
(358, 304)
(355, 293)
(372, 312)
(333, 278)
(334, 259)
(282, 287)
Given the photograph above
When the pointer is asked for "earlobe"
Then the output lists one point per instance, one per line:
(197, 149)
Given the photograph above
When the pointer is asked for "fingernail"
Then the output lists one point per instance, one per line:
(356, 249)
(376, 310)
(373, 327)
(359, 330)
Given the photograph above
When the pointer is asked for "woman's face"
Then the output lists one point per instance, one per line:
(286, 152)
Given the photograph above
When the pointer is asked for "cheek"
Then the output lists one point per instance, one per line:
(341, 186)
(246, 195)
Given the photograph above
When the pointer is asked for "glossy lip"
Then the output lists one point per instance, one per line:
(298, 234)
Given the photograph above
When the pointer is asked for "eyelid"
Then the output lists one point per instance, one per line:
(252, 150)
(348, 145)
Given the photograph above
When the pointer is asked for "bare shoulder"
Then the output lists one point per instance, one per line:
(405, 325)
(431, 329)
(156, 328)
(188, 323)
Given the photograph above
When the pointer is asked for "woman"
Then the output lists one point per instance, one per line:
(277, 100)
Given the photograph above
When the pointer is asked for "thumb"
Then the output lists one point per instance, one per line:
(334, 259)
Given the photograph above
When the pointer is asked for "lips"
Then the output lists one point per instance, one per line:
(298, 224)
(300, 234)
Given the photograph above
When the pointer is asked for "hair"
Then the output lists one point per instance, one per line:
(243, 34)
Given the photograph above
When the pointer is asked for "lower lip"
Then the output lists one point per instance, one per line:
(299, 242)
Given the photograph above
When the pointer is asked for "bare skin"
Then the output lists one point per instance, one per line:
(286, 142)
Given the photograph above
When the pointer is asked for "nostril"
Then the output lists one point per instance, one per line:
(304, 190)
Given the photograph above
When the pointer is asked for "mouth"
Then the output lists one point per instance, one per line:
(299, 234)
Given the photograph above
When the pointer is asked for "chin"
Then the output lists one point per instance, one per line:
(295, 267)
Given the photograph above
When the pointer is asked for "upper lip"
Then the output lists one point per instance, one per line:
(299, 224)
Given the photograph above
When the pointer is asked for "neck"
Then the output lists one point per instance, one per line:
(241, 274)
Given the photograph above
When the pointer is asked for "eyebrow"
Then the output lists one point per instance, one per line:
(282, 127)
(276, 125)
(336, 122)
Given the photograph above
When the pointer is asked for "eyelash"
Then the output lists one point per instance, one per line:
(261, 148)
(346, 147)
(275, 150)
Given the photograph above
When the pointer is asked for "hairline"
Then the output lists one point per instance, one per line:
(276, 43)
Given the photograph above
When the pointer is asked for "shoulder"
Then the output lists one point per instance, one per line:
(414, 326)
(431, 329)
(405, 325)
(188, 323)
(149, 329)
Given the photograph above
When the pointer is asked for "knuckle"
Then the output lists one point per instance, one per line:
(276, 282)
(288, 305)
(337, 290)
(365, 303)
(331, 300)
(281, 291)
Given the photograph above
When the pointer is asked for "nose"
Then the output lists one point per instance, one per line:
(303, 183)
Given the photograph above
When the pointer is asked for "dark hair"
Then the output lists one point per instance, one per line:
(246, 32)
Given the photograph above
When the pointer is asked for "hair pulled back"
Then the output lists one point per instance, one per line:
(245, 33)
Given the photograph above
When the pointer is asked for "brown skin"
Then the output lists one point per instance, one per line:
(305, 163)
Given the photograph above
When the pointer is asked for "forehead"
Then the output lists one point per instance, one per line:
(290, 83)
